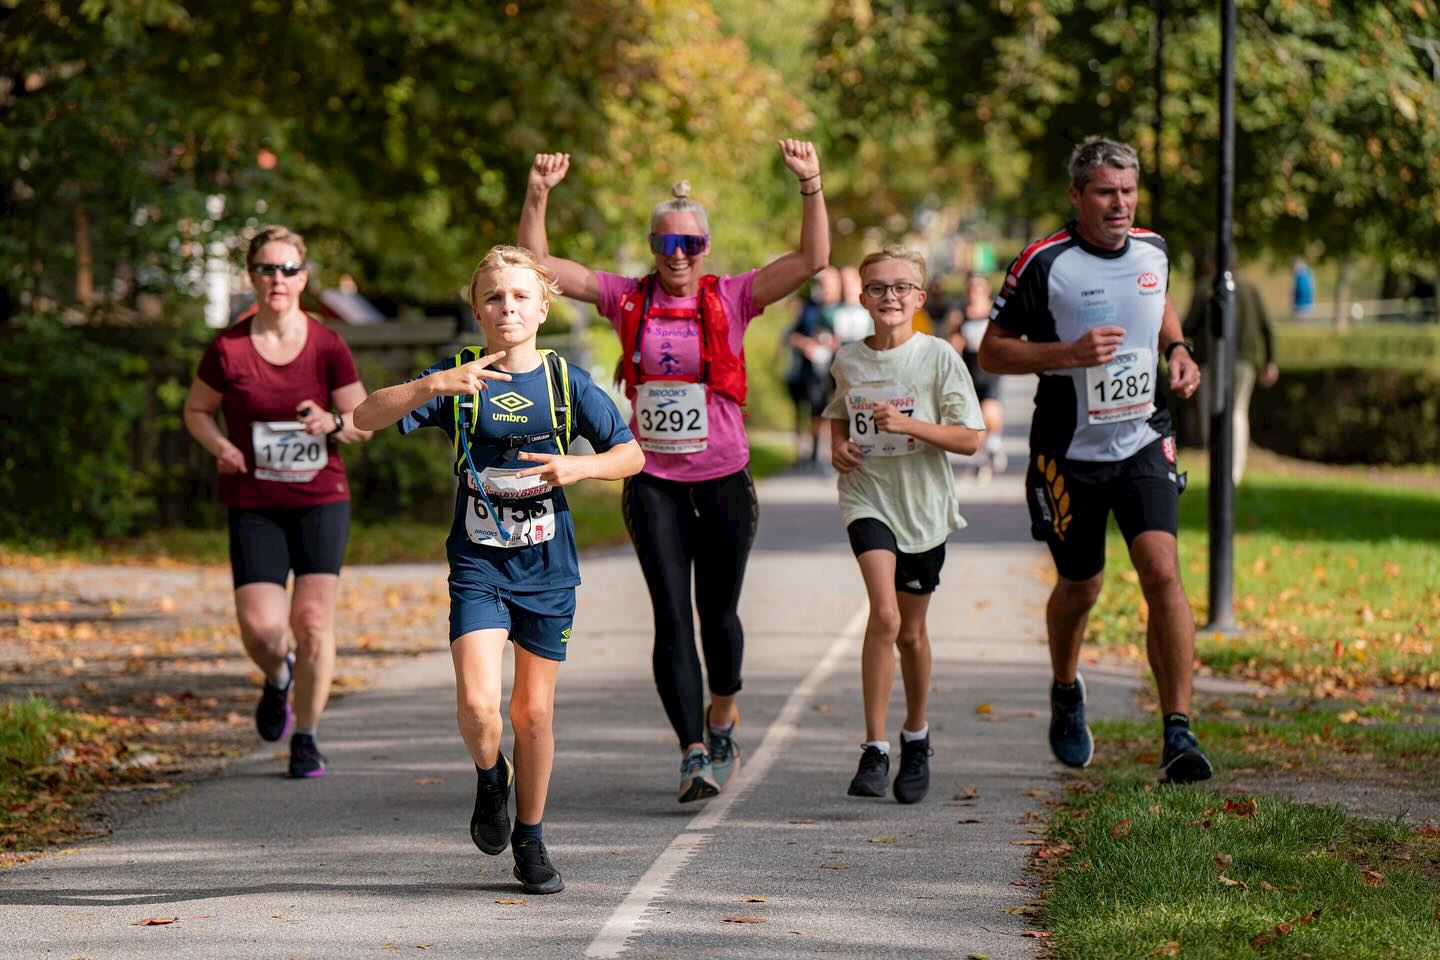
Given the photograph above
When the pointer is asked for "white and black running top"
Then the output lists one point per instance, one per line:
(1055, 291)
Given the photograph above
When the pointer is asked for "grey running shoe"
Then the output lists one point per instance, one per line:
(534, 870)
(273, 717)
(913, 780)
(697, 778)
(1182, 760)
(873, 775)
(724, 751)
(1070, 738)
(490, 823)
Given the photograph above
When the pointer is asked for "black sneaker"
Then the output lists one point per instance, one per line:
(913, 780)
(534, 870)
(1070, 738)
(1182, 760)
(306, 760)
(490, 823)
(873, 775)
(273, 716)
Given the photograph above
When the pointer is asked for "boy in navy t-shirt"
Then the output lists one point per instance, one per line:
(513, 564)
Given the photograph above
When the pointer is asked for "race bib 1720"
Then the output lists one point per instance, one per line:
(1123, 389)
(861, 402)
(285, 452)
(672, 417)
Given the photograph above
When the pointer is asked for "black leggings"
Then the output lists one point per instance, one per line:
(709, 525)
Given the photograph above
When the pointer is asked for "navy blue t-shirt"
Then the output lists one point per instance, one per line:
(511, 408)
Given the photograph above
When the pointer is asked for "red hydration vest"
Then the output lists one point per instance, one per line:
(720, 368)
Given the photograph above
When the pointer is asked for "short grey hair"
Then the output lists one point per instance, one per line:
(680, 202)
(1099, 152)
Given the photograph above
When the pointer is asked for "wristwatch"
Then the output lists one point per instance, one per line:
(1189, 345)
(340, 421)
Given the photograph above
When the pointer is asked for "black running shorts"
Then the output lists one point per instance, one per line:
(917, 573)
(265, 545)
(1070, 503)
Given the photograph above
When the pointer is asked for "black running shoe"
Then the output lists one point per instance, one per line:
(1070, 738)
(490, 823)
(306, 760)
(1183, 761)
(873, 775)
(534, 870)
(913, 780)
(273, 716)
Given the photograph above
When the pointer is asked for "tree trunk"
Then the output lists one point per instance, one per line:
(84, 263)
(1342, 294)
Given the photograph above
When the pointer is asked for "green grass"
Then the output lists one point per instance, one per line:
(29, 731)
(1143, 867)
(1337, 582)
(595, 506)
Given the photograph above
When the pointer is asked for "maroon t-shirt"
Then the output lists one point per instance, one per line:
(254, 390)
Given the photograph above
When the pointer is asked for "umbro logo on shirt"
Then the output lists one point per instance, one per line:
(511, 402)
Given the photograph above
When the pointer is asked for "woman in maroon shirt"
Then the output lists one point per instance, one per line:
(286, 385)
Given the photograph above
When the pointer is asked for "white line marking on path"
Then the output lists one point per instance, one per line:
(625, 923)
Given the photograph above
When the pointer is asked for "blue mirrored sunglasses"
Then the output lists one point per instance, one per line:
(666, 244)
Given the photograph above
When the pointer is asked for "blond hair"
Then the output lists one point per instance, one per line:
(273, 234)
(505, 255)
(680, 202)
(894, 251)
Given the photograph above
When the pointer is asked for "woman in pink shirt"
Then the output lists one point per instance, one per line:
(287, 386)
(682, 364)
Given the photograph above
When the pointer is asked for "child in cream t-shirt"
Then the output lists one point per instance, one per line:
(902, 400)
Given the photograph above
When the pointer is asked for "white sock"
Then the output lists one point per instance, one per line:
(993, 443)
(882, 745)
(282, 679)
(309, 731)
(910, 736)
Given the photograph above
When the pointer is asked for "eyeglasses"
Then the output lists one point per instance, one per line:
(666, 244)
(877, 290)
(270, 269)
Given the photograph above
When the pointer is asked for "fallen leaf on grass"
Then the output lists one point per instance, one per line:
(511, 902)
(1373, 878)
(1429, 830)
(754, 899)
(1234, 883)
(1170, 948)
(984, 709)
(1242, 808)
(741, 918)
(882, 839)
(1149, 759)
(1281, 929)
(1121, 830)
(1269, 887)
(1223, 861)
(1155, 808)
(426, 781)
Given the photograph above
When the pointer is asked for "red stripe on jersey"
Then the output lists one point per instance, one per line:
(1029, 253)
(1142, 232)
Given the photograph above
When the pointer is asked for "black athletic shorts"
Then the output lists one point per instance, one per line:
(914, 572)
(1071, 500)
(265, 545)
(987, 384)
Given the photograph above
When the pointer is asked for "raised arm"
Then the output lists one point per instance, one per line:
(576, 279)
(784, 276)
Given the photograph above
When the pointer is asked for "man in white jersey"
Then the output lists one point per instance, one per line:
(1086, 308)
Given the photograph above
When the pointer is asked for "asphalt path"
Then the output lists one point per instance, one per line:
(376, 857)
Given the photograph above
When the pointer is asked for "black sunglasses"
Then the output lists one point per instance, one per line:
(270, 269)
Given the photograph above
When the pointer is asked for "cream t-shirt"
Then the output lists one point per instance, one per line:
(912, 493)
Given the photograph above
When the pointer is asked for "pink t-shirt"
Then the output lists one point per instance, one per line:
(671, 348)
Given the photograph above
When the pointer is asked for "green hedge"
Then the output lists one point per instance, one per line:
(1351, 414)
(1380, 344)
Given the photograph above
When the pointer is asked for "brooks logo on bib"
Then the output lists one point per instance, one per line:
(861, 402)
(285, 452)
(1123, 389)
(672, 417)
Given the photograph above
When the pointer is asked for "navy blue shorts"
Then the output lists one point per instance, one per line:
(540, 621)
